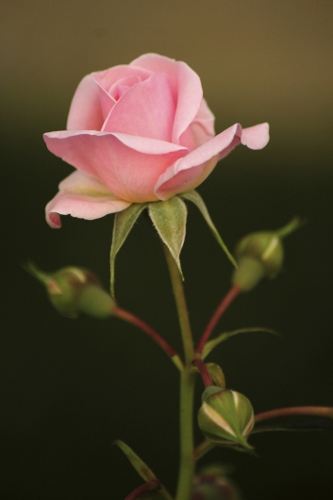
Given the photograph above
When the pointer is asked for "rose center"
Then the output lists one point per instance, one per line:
(120, 88)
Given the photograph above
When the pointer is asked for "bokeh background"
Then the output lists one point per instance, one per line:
(71, 387)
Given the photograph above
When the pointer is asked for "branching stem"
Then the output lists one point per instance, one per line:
(139, 323)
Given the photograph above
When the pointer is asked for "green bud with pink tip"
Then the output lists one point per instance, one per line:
(74, 290)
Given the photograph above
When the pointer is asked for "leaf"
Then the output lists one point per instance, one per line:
(209, 346)
(195, 198)
(295, 419)
(142, 468)
(123, 223)
(139, 465)
(169, 219)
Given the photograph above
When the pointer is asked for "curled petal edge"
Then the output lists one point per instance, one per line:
(84, 197)
(256, 137)
(191, 170)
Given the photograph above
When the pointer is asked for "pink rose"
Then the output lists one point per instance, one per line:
(136, 133)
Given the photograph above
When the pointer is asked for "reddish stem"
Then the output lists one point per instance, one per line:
(134, 320)
(142, 489)
(321, 411)
(206, 378)
(223, 306)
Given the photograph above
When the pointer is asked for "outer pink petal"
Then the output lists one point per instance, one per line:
(147, 110)
(200, 130)
(205, 118)
(129, 166)
(85, 111)
(256, 137)
(84, 197)
(190, 171)
(185, 85)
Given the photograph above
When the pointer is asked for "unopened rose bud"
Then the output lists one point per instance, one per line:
(261, 255)
(74, 290)
(226, 416)
(213, 483)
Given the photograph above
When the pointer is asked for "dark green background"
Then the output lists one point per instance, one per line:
(70, 388)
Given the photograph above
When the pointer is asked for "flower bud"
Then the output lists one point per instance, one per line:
(226, 417)
(213, 483)
(216, 374)
(261, 255)
(74, 290)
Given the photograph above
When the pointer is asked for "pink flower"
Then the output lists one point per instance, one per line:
(136, 133)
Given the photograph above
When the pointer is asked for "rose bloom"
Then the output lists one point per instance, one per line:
(139, 133)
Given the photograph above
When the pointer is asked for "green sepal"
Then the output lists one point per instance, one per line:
(142, 468)
(169, 218)
(211, 344)
(195, 198)
(209, 391)
(123, 223)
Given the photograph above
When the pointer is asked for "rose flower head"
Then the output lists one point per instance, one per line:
(139, 133)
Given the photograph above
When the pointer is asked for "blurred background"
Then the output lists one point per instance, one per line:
(71, 387)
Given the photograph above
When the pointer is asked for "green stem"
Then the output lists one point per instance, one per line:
(187, 462)
(187, 380)
(203, 448)
(184, 321)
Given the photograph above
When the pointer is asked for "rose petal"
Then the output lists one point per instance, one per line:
(150, 146)
(200, 130)
(107, 82)
(256, 137)
(84, 197)
(108, 78)
(205, 118)
(188, 172)
(189, 99)
(185, 85)
(106, 103)
(146, 109)
(128, 165)
(123, 85)
(85, 111)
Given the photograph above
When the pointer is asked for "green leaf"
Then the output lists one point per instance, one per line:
(142, 468)
(139, 465)
(195, 198)
(226, 335)
(123, 223)
(169, 219)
